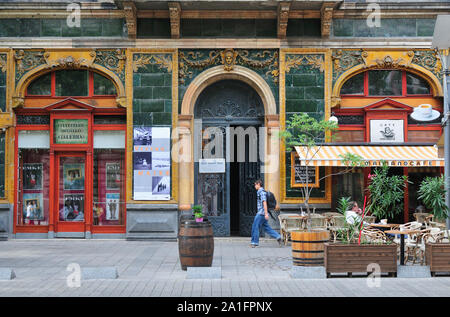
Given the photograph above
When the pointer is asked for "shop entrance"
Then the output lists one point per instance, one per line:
(71, 194)
(231, 113)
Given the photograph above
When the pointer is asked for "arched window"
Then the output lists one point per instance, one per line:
(80, 83)
(385, 83)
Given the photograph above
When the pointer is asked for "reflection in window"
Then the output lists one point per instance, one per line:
(41, 86)
(33, 191)
(72, 83)
(385, 83)
(109, 187)
(416, 85)
(103, 86)
(354, 86)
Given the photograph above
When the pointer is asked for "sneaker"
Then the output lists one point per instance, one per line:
(280, 242)
(253, 245)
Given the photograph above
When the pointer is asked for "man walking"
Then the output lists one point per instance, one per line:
(262, 216)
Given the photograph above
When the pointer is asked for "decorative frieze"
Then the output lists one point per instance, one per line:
(27, 60)
(161, 60)
(256, 59)
(114, 60)
(315, 61)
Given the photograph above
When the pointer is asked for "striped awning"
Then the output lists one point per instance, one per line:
(395, 156)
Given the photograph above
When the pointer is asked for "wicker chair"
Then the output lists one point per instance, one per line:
(370, 219)
(373, 235)
(318, 222)
(335, 224)
(289, 223)
(413, 245)
(435, 235)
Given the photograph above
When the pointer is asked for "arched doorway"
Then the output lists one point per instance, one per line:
(228, 117)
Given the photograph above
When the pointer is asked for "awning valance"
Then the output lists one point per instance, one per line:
(395, 156)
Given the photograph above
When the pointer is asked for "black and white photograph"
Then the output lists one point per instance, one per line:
(142, 136)
(142, 161)
(113, 178)
(160, 185)
(32, 176)
(160, 160)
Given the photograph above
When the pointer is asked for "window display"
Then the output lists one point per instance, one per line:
(33, 183)
(71, 188)
(109, 187)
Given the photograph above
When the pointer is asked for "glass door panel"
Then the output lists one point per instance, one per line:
(71, 189)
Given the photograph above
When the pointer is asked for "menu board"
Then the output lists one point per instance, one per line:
(302, 175)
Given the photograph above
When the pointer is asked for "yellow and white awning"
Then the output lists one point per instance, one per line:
(395, 156)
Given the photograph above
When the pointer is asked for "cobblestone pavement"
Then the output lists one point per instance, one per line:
(152, 268)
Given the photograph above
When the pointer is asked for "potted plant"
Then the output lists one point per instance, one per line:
(197, 210)
(349, 256)
(309, 135)
(432, 193)
(386, 193)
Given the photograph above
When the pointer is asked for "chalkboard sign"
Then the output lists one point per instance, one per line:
(299, 177)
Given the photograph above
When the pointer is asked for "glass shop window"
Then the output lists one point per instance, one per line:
(103, 86)
(109, 178)
(347, 185)
(385, 83)
(33, 178)
(41, 86)
(354, 86)
(72, 83)
(78, 83)
(416, 85)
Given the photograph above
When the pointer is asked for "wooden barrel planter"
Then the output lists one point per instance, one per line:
(195, 243)
(308, 247)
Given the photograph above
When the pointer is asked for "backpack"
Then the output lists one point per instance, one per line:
(271, 200)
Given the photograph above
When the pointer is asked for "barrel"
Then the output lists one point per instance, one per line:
(195, 243)
(308, 247)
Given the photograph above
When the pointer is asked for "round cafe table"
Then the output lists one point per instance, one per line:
(402, 234)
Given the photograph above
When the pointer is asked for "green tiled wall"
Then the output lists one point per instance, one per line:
(388, 28)
(59, 28)
(152, 95)
(2, 164)
(304, 92)
(148, 28)
(303, 27)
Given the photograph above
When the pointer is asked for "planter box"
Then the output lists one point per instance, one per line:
(437, 256)
(353, 258)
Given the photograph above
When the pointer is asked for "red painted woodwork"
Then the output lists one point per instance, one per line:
(69, 108)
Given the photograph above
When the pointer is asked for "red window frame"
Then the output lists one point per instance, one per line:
(366, 88)
(53, 89)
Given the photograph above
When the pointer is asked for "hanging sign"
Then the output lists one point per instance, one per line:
(74, 131)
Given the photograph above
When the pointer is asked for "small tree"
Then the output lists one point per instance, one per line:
(432, 193)
(386, 193)
(310, 134)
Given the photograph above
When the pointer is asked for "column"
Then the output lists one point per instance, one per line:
(272, 156)
(185, 162)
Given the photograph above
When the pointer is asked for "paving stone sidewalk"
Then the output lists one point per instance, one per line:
(152, 268)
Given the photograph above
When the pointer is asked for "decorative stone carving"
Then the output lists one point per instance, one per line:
(17, 101)
(175, 16)
(3, 64)
(27, 60)
(430, 60)
(326, 18)
(228, 59)
(129, 10)
(315, 61)
(283, 17)
(114, 60)
(142, 60)
(196, 60)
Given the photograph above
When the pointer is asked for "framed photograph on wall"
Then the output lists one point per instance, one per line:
(32, 176)
(73, 207)
(73, 176)
(32, 207)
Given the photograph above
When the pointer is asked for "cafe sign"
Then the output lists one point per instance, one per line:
(74, 131)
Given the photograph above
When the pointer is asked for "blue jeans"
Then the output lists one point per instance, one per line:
(259, 221)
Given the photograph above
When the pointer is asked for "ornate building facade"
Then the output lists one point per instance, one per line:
(110, 109)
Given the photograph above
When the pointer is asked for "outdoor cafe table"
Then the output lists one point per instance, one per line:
(402, 234)
(383, 226)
